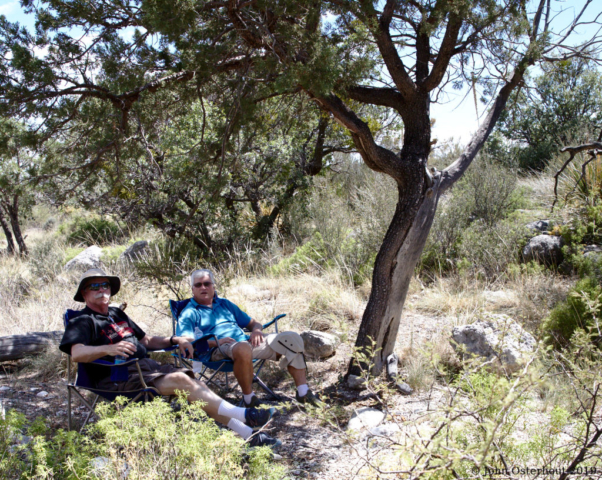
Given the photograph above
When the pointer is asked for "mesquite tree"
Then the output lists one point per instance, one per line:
(401, 55)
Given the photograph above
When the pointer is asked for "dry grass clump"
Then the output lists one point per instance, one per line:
(537, 294)
(426, 363)
(541, 186)
(454, 297)
(324, 302)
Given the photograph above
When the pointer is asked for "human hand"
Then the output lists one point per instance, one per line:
(256, 338)
(121, 348)
(186, 348)
(226, 340)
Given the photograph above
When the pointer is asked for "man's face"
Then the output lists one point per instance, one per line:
(97, 293)
(203, 290)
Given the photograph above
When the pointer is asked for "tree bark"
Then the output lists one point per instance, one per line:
(15, 347)
(7, 233)
(13, 214)
(393, 271)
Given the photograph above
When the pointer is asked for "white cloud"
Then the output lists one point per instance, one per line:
(9, 7)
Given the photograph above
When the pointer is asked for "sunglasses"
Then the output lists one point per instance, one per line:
(97, 286)
(203, 284)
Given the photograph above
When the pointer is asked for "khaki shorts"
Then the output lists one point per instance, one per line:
(151, 371)
(261, 352)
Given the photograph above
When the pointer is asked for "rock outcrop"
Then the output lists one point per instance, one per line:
(319, 344)
(134, 252)
(89, 258)
(496, 337)
(545, 249)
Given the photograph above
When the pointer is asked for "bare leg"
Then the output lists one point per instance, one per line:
(298, 375)
(242, 354)
(196, 391)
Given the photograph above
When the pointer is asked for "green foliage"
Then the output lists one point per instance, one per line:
(345, 218)
(141, 440)
(562, 107)
(111, 254)
(95, 231)
(473, 230)
(576, 313)
(50, 455)
(305, 258)
(11, 425)
(169, 262)
(156, 443)
(487, 251)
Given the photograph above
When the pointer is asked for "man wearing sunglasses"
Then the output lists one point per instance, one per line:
(210, 314)
(104, 332)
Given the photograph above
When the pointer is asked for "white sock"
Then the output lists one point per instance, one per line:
(237, 426)
(248, 397)
(302, 389)
(228, 410)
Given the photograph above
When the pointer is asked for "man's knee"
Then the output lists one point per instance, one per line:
(242, 351)
(179, 381)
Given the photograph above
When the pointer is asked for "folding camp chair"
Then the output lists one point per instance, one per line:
(226, 365)
(118, 373)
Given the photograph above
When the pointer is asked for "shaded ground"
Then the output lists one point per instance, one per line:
(310, 448)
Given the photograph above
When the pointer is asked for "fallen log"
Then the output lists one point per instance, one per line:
(15, 347)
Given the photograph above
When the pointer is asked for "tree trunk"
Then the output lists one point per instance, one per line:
(13, 214)
(393, 270)
(7, 233)
(15, 347)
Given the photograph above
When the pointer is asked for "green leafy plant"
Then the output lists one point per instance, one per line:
(573, 314)
(98, 231)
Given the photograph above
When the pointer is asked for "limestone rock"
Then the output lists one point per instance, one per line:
(319, 344)
(546, 249)
(356, 383)
(593, 251)
(134, 252)
(385, 430)
(497, 336)
(365, 417)
(499, 297)
(539, 226)
(89, 258)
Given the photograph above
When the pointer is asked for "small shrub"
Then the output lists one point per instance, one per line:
(46, 259)
(111, 254)
(97, 231)
(11, 464)
(49, 225)
(308, 257)
(573, 314)
(156, 443)
(487, 251)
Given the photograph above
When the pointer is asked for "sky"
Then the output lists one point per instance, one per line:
(455, 118)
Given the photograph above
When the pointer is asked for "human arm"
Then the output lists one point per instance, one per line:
(256, 337)
(86, 353)
(156, 343)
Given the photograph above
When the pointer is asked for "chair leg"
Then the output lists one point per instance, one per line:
(68, 408)
(266, 388)
(89, 413)
(68, 393)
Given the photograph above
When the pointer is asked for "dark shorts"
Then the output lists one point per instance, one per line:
(151, 371)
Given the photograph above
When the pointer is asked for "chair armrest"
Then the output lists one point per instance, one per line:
(274, 320)
(104, 363)
(204, 338)
(161, 350)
